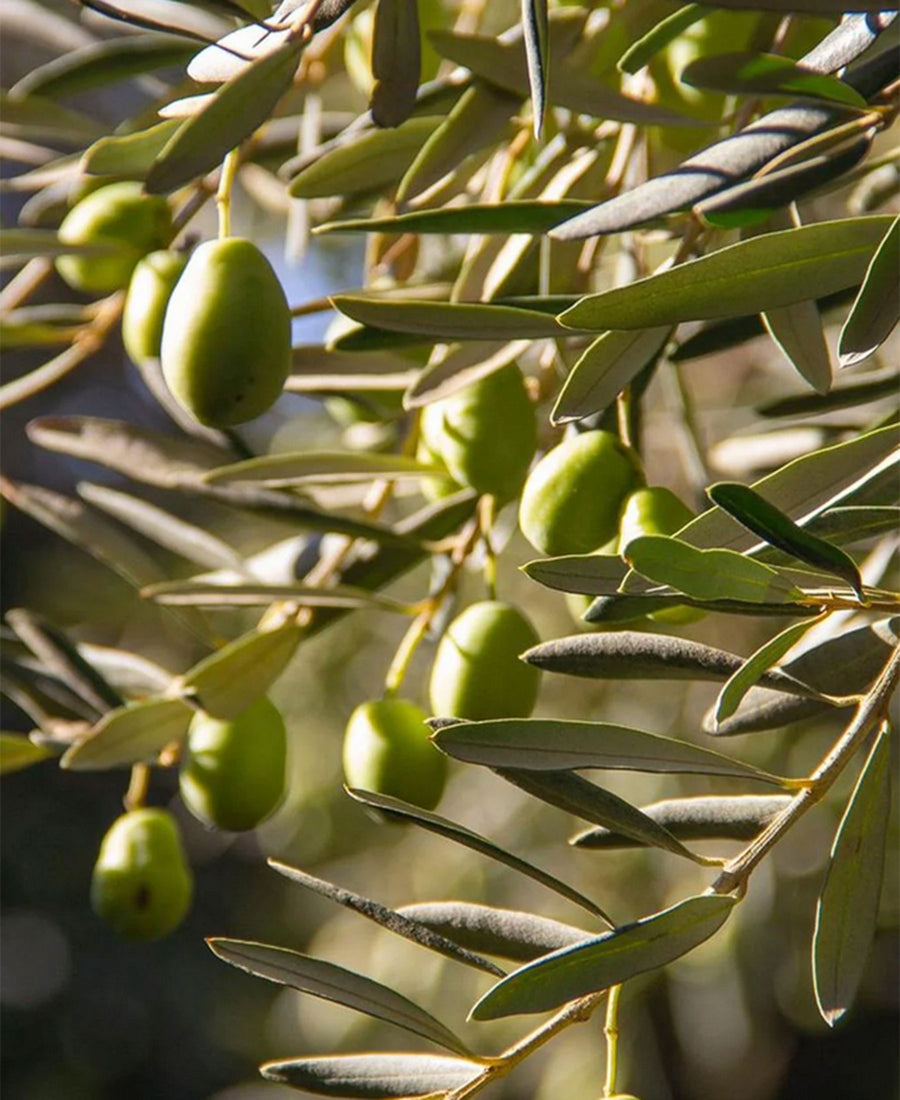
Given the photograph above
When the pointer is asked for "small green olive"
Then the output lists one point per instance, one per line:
(477, 673)
(148, 296)
(485, 434)
(572, 498)
(142, 884)
(233, 772)
(121, 216)
(226, 342)
(387, 750)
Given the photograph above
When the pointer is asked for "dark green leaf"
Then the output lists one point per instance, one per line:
(771, 524)
(503, 932)
(871, 387)
(450, 320)
(848, 906)
(373, 1076)
(386, 918)
(543, 744)
(396, 61)
(335, 983)
(404, 811)
(608, 960)
(131, 734)
(761, 273)
(709, 817)
(767, 74)
(659, 36)
(515, 216)
(239, 107)
(877, 307)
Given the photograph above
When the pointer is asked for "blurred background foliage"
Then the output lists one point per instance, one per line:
(87, 1017)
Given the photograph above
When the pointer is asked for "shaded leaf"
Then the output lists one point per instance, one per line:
(451, 320)
(610, 959)
(387, 918)
(20, 245)
(767, 74)
(18, 752)
(641, 51)
(240, 107)
(764, 272)
(709, 817)
(604, 369)
(848, 906)
(229, 680)
(324, 467)
(459, 367)
(766, 521)
(514, 216)
(131, 155)
(130, 734)
(131, 674)
(797, 330)
(403, 811)
(877, 307)
(503, 932)
(535, 32)
(542, 744)
(335, 983)
(396, 61)
(870, 388)
(373, 1076)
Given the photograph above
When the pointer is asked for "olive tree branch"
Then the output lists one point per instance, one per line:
(868, 716)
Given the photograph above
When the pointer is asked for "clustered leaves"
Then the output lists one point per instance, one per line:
(555, 219)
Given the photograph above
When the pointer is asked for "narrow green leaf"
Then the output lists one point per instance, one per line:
(590, 574)
(396, 61)
(316, 368)
(645, 48)
(403, 811)
(335, 983)
(373, 1076)
(450, 320)
(240, 106)
(227, 594)
(536, 32)
(386, 918)
(610, 959)
(855, 524)
(848, 906)
(768, 711)
(41, 120)
(604, 369)
(458, 367)
(877, 307)
(130, 674)
(20, 245)
(130, 734)
(797, 330)
(322, 467)
(361, 162)
(708, 574)
(542, 744)
(767, 74)
(503, 932)
(103, 63)
(131, 155)
(576, 795)
(229, 680)
(872, 387)
(764, 272)
(18, 752)
(768, 522)
(708, 817)
(755, 666)
(516, 216)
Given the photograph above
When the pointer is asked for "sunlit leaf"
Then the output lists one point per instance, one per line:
(451, 320)
(324, 467)
(797, 330)
(130, 734)
(767, 74)
(227, 594)
(640, 52)
(130, 155)
(18, 752)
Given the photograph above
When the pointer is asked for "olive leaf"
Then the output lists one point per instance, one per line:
(535, 32)
(848, 906)
(323, 467)
(334, 983)
(198, 593)
(875, 312)
(663, 32)
(18, 752)
(396, 61)
(450, 320)
(767, 74)
(130, 734)
(373, 1076)
(607, 960)
(707, 817)
(132, 154)
(515, 216)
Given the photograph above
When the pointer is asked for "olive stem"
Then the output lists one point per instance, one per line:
(223, 193)
(487, 511)
(138, 785)
(611, 1031)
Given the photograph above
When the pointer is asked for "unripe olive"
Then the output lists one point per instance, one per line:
(119, 215)
(387, 750)
(571, 500)
(226, 342)
(149, 291)
(232, 772)
(655, 510)
(477, 673)
(142, 884)
(485, 434)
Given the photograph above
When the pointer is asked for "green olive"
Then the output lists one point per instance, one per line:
(148, 295)
(142, 884)
(572, 498)
(655, 510)
(477, 673)
(121, 216)
(485, 434)
(387, 750)
(226, 342)
(233, 772)
(365, 407)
